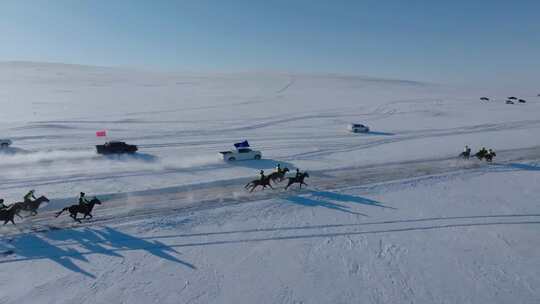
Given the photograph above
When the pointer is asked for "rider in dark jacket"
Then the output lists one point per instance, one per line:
(262, 175)
(297, 173)
(278, 168)
(82, 200)
(482, 153)
(2, 206)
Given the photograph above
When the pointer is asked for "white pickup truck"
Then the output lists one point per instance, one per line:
(240, 154)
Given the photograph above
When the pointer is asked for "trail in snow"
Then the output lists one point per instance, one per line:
(188, 198)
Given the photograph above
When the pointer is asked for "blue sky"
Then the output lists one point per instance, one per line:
(443, 41)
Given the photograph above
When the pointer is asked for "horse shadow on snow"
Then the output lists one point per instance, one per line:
(64, 247)
(334, 201)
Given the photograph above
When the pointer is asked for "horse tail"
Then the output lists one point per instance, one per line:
(57, 214)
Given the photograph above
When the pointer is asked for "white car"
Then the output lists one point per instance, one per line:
(4, 143)
(358, 128)
(241, 154)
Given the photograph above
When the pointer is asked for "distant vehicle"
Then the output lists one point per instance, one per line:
(512, 98)
(116, 147)
(358, 128)
(484, 98)
(4, 143)
(522, 100)
(509, 102)
(241, 152)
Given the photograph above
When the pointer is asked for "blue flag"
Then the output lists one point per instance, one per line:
(243, 144)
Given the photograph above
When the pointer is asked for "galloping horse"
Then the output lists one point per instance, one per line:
(278, 176)
(297, 180)
(8, 214)
(258, 182)
(32, 206)
(84, 209)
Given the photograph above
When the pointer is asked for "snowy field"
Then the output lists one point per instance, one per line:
(389, 217)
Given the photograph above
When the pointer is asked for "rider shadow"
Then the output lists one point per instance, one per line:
(349, 198)
(124, 242)
(12, 151)
(31, 247)
(525, 167)
(304, 201)
(377, 133)
(262, 164)
(77, 244)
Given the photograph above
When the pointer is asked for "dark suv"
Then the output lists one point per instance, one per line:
(116, 147)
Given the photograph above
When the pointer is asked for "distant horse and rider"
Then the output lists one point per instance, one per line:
(82, 208)
(487, 154)
(276, 177)
(31, 204)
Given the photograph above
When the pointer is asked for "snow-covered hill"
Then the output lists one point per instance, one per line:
(390, 216)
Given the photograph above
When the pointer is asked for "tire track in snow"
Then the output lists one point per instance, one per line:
(189, 198)
(483, 128)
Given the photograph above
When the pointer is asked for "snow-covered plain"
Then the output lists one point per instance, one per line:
(389, 217)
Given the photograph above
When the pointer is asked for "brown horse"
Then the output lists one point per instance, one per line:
(32, 206)
(278, 176)
(7, 215)
(258, 182)
(297, 180)
(85, 209)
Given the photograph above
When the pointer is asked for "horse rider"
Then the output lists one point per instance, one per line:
(262, 175)
(278, 168)
(491, 153)
(2, 206)
(82, 200)
(467, 151)
(30, 197)
(298, 173)
(482, 152)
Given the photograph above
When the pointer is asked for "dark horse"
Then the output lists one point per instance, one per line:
(7, 215)
(297, 180)
(84, 209)
(465, 154)
(488, 156)
(258, 182)
(278, 176)
(32, 206)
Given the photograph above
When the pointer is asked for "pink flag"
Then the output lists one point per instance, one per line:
(101, 133)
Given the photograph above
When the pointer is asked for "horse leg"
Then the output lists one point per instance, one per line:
(270, 186)
(12, 221)
(288, 185)
(253, 188)
(75, 218)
